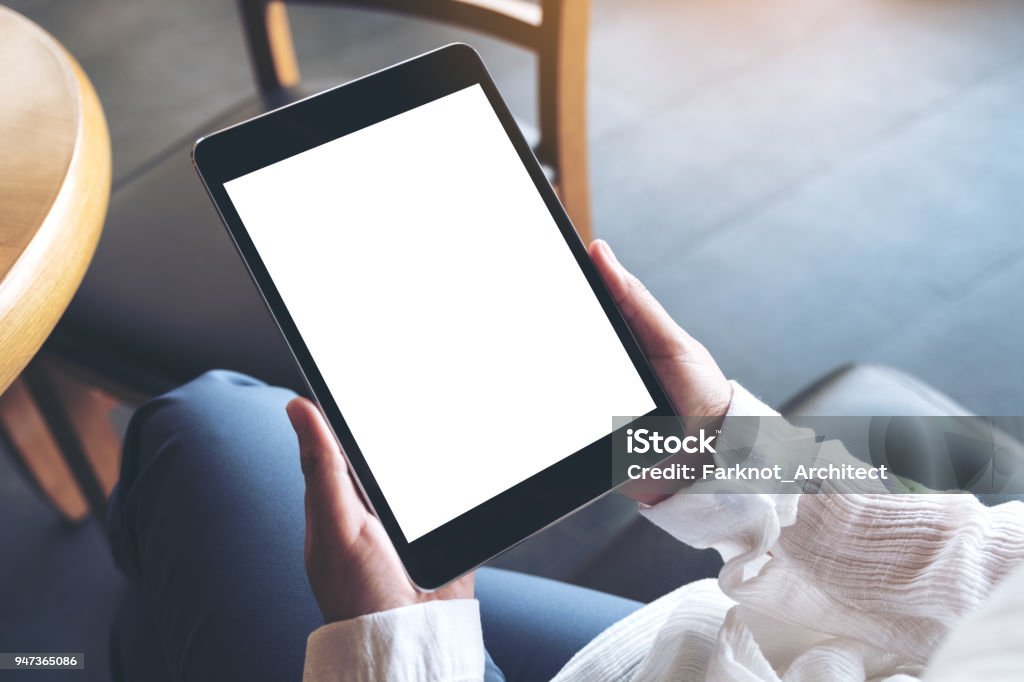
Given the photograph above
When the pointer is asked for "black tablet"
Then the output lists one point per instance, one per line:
(443, 310)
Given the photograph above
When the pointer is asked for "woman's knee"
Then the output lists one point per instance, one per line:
(208, 402)
(219, 407)
(218, 443)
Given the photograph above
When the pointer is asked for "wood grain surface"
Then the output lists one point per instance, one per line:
(54, 185)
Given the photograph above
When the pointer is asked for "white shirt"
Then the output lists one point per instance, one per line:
(814, 587)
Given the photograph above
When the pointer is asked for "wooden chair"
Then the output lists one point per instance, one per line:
(556, 30)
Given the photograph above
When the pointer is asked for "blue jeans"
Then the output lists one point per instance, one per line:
(207, 523)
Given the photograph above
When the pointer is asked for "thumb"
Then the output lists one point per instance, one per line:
(331, 496)
(657, 332)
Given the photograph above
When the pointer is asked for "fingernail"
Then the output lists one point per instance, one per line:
(295, 416)
(608, 250)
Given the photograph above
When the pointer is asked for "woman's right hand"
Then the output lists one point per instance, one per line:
(699, 391)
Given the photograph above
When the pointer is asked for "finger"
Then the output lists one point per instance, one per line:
(331, 495)
(655, 329)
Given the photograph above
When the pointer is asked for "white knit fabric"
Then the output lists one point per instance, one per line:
(815, 587)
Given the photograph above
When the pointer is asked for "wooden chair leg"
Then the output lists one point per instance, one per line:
(60, 427)
(89, 409)
(27, 431)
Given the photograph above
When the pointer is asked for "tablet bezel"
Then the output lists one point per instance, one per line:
(491, 528)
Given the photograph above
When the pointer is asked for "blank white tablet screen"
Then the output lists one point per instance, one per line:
(441, 304)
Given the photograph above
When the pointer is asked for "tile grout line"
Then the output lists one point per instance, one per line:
(939, 310)
(715, 81)
(939, 106)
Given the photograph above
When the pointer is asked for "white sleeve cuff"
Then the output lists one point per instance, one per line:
(434, 641)
(744, 404)
(702, 517)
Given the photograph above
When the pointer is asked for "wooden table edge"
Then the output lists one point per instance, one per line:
(38, 288)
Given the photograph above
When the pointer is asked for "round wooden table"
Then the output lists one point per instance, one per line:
(54, 189)
(54, 186)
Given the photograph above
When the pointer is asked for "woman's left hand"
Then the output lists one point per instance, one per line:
(352, 566)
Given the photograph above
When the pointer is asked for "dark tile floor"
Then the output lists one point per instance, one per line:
(58, 583)
(803, 183)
